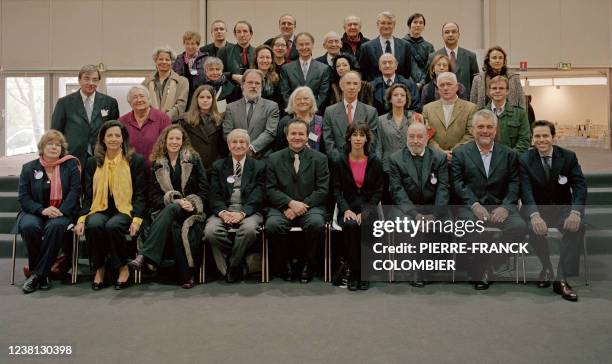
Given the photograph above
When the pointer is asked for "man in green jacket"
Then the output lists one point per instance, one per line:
(512, 122)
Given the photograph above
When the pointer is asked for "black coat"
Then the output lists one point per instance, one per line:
(348, 195)
(137, 168)
(252, 185)
(371, 52)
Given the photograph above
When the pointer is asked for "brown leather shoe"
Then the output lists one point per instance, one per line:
(546, 276)
(565, 290)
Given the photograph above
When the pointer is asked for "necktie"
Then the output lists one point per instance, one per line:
(388, 82)
(388, 47)
(250, 112)
(88, 108)
(288, 53)
(349, 113)
(238, 172)
(305, 69)
(453, 61)
(296, 162)
(245, 60)
(546, 165)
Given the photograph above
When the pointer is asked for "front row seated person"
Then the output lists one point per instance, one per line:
(297, 185)
(49, 190)
(178, 195)
(113, 203)
(237, 195)
(358, 187)
(554, 193)
(486, 180)
(340, 115)
(419, 184)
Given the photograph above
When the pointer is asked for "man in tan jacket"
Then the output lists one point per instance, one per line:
(450, 116)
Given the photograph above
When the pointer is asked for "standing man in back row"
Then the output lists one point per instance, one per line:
(462, 61)
(286, 26)
(80, 115)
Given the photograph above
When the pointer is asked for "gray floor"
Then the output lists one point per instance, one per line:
(282, 322)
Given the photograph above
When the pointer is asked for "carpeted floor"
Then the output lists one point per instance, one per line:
(287, 322)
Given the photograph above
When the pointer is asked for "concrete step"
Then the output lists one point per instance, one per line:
(9, 183)
(7, 220)
(599, 180)
(8, 201)
(599, 196)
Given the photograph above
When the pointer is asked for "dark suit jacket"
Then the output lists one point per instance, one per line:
(231, 55)
(323, 59)
(335, 123)
(211, 50)
(408, 192)
(294, 53)
(207, 140)
(371, 52)
(70, 118)
(467, 68)
(252, 185)
(32, 196)
(380, 89)
(317, 79)
(471, 184)
(346, 45)
(137, 169)
(348, 195)
(310, 185)
(536, 192)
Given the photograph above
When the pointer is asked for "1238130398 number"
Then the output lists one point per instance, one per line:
(40, 350)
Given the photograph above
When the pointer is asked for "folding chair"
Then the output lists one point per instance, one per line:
(557, 234)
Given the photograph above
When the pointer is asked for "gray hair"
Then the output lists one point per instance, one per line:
(416, 125)
(238, 133)
(450, 75)
(331, 35)
(308, 91)
(256, 71)
(212, 61)
(89, 68)
(484, 114)
(351, 73)
(132, 89)
(386, 55)
(351, 17)
(385, 14)
(164, 49)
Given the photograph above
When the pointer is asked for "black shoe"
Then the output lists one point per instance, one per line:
(306, 275)
(565, 290)
(364, 285)
(417, 280)
(122, 285)
(45, 284)
(96, 286)
(31, 284)
(353, 285)
(481, 285)
(234, 274)
(288, 274)
(546, 276)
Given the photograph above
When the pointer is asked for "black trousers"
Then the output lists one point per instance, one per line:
(105, 233)
(43, 238)
(165, 234)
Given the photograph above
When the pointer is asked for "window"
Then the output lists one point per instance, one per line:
(118, 88)
(25, 113)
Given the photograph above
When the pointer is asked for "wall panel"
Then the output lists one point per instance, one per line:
(25, 33)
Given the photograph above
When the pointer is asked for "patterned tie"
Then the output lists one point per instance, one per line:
(349, 113)
(305, 69)
(546, 164)
(238, 169)
(388, 82)
(88, 107)
(453, 61)
(250, 112)
(388, 47)
(296, 162)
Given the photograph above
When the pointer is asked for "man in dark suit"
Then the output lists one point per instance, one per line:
(237, 193)
(388, 65)
(384, 43)
(297, 185)
(332, 44)
(305, 71)
(486, 181)
(286, 25)
(218, 30)
(554, 194)
(80, 115)
(463, 61)
(338, 116)
(352, 39)
(253, 113)
(238, 57)
(418, 182)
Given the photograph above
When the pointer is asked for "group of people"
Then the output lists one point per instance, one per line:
(227, 140)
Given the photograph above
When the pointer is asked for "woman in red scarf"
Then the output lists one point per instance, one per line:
(49, 190)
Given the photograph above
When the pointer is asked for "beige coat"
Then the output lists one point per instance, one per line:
(174, 98)
(459, 129)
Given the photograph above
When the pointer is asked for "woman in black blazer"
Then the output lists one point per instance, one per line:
(358, 182)
(179, 193)
(113, 203)
(49, 190)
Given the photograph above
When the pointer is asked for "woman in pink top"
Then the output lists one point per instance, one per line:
(358, 182)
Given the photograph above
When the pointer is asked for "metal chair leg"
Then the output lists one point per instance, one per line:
(587, 272)
(266, 257)
(202, 266)
(75, 258)
(14, 252)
